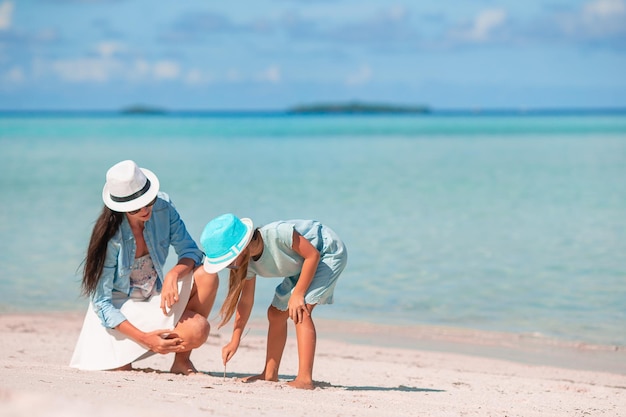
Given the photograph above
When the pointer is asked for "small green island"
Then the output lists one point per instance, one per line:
(353, 107)
(141, 109)
(357, 108)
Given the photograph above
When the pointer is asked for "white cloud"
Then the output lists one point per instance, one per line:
(139, 70)
(604, 8)
(85, 69)
(398, 13)
(99, 69)
(595, 20)
(166, 70)
(197, 77)
(112, 61)
(485, 23)
(233, 75)
(6, 15)
(46, 35)
(603, 17)
(107, 68)
(108, 49)
(271, 74)
(362, 76)
(14, 76)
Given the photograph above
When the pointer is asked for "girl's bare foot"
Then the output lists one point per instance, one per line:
(301, 384)
(183, 367)
(260, 377)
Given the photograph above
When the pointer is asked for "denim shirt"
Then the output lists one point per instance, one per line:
(164, 228)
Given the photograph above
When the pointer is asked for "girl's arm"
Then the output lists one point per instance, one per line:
(297, 306)
(244, 308)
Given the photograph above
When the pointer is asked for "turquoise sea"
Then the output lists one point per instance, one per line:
(502, 222)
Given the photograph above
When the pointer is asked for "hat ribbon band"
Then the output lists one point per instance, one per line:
(133, 195)
(230, 255)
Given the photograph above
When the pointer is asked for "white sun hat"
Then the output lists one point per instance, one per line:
(129, 187)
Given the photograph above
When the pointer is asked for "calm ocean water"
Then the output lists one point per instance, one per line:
(507, 223)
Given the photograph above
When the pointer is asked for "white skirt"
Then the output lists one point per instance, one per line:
(100, 348)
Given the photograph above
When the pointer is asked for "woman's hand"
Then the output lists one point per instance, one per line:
(297, 308)
(163, 341)
(229, 351)
(169, 292)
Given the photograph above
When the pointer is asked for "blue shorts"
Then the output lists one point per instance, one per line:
(333, 259)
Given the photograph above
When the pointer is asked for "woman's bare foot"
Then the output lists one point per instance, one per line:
(183, 367)
(300, 384)
(260, 377)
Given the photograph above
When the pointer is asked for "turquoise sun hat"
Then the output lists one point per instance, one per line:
(223, 239)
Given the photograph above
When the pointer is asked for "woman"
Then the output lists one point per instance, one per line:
(138, 309)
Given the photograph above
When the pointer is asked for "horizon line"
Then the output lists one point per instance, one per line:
(157, 111)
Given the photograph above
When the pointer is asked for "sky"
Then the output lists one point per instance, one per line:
(274, 54)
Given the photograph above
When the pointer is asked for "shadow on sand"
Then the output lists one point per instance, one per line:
(324, 385)
(318, 384)
(402, 388)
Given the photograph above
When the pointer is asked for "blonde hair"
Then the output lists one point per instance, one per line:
(236, 281)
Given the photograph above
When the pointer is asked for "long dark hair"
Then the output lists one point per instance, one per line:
(107, 224)
(236, 281)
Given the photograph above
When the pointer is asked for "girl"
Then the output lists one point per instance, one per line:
(308, 254)
(137, 308)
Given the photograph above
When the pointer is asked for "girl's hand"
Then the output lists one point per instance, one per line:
(163, 341)
(229, 351)
(169, 292)
(297, 308)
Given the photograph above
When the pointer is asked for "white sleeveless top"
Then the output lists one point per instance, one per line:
(143, 277)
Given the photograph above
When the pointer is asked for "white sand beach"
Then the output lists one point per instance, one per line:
(360, 370)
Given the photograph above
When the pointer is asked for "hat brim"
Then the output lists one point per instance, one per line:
(215, 267)
(137, 203)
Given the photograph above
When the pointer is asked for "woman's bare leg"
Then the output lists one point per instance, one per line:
(203, 292)
(307, 339)
(276, 339)
(193, 328)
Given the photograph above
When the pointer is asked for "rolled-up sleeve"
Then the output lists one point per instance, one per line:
(109, 315)
(181, 240)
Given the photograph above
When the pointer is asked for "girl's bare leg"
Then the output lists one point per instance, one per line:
(307, 339)
(193, 326)
(276, 339)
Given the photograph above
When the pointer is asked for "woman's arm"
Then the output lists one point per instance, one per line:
(180, 239)
(169, 224)
(169, 292)
(297, 306)
(159, 341)
(110, 316)
(244, 308)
